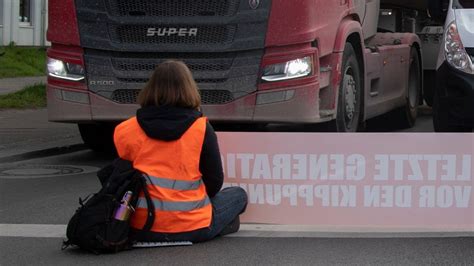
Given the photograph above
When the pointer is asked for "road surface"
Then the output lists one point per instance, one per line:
(45, 171)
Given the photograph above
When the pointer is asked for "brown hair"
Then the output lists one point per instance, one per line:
(171, 84)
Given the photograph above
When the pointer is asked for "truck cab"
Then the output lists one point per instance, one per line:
(255, 61)
(453, 108)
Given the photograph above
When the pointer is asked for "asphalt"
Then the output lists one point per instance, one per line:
(253, 251)
(10, 85)
(28, 140)
(52, 200)
(23, 131)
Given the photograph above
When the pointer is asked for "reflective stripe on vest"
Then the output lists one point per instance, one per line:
(174, 184)
(174, 205)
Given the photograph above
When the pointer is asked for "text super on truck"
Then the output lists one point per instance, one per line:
(255, 61)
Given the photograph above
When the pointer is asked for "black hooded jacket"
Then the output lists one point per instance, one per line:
(169, 123)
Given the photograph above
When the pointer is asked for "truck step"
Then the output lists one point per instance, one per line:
(325, 77)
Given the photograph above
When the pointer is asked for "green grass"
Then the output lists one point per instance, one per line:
(22, 61)
(30, 97)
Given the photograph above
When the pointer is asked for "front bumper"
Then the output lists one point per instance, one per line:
(97, 108)
(456, 96)
(301, 107)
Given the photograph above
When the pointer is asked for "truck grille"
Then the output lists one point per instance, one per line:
(170, 8)
(150, 64)
(236, 74)
(125, 96)
(165, 26)
(137, 34)
(207, 96)
(145, 80)
(216, 97)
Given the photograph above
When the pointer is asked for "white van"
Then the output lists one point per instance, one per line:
(453, 108)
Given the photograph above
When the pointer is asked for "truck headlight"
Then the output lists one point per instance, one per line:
(298, 68)
(67, 71)
(455, 52)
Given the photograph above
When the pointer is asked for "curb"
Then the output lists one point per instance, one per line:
(44, 153)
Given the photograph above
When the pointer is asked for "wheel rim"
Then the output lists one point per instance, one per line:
(350, 97)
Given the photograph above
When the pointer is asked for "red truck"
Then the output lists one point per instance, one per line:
(255, 61)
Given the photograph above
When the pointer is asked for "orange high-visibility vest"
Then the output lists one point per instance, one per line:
(175, 185)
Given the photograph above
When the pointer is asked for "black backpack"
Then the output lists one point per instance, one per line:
(93, 226)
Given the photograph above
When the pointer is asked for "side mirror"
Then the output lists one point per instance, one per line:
(438, 10)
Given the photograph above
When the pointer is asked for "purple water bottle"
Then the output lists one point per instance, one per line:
(123, 212)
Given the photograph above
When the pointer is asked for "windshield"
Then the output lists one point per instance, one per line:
(460, 4)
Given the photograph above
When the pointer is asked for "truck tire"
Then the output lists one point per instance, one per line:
(349, 103)
(98, 137)
(407, 114)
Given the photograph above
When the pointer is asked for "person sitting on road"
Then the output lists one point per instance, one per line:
(174, 144)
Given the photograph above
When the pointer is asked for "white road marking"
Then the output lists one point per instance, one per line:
(33, 230)
(247, 230)
(308, 231)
